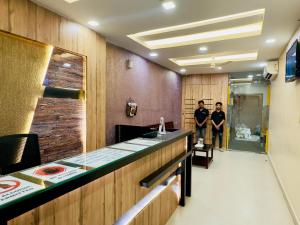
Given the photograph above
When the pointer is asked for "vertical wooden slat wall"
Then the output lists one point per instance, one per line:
(211, 88)
(24, 18)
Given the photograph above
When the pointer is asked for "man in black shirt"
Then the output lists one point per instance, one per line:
(201, 116)
(217, 120)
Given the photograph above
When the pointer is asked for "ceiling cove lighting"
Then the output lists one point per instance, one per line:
(168, 5)
(153, 54)
(215, 59)
(259, 12)
(217, 35)
(93, 23)
(224, 34)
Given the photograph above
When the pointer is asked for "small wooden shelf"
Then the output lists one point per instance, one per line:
(203, 160)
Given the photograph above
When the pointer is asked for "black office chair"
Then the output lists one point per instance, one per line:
(19, 152)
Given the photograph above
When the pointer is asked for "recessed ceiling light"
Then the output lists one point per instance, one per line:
(258, 75)
(215, 59)
(168, 5)
(270, 41)
(67, 65)
(203, 49)
(250, 76)
(263, 64)
(183, 70)
(219, 68)
(153, 54)
(93, 23)
(246, 30)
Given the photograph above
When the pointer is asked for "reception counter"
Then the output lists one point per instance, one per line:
(140, 181)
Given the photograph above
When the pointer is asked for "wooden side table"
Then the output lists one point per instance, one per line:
(203, 160)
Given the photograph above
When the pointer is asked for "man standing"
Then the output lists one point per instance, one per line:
(217, 120)
(201, 116)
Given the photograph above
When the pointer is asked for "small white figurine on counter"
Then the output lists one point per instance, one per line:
(162, 127)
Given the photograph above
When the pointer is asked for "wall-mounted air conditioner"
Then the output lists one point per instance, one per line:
(271, 70)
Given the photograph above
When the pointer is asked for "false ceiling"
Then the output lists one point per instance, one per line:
(234, 31)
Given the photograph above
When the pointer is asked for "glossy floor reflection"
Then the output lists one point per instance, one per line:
(238, 189)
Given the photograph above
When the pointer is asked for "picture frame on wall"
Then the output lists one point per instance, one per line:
(131, 108)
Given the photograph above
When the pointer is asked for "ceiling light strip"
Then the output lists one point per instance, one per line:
(216, 59)
(71, 1)
(218, 35)
(202, 23)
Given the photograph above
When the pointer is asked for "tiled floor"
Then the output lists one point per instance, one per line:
(238, 189)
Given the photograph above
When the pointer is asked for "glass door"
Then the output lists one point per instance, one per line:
(248, 113)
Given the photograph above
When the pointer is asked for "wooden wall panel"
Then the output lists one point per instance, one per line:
(109, 200)
(27, 19)
(93, 197)
(4, 15)
(101, 90)
(22, 18)
(209, 87)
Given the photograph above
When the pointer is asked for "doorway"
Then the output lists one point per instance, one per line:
(248, 114)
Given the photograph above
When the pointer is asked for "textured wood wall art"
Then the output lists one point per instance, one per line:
(29, 20)
(66, 70)
(23, 65)
(59, 118)
(60, 125)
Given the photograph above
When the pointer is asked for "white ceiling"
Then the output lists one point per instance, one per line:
(118, 18)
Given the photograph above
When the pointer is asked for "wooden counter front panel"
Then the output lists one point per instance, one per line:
(103, 201)
(128, 177)
(160, 209)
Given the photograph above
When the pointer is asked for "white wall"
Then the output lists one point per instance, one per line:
(285, 133)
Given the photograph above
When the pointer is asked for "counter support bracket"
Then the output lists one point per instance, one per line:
(186, 172)
(156, 175)
(188, 166)
(183, 184)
